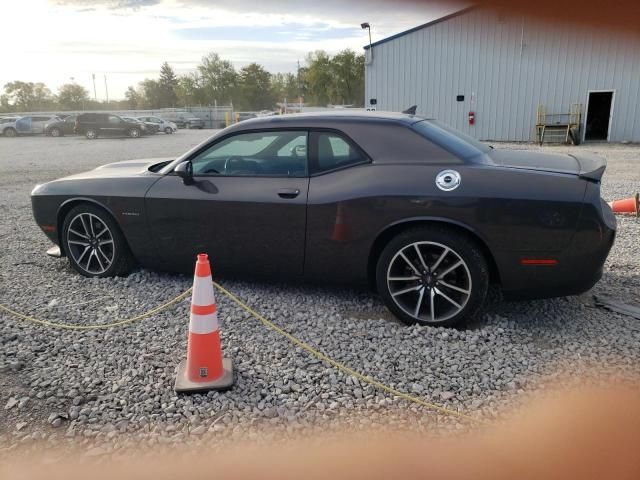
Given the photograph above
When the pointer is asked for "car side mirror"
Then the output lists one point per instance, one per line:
(185, 171)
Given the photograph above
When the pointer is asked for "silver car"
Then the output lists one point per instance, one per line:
(28, 125)
(165, 126)
(8, 126)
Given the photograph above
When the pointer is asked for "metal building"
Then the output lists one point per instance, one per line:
(496, 78)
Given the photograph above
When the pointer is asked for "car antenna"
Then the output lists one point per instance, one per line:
(411, 110)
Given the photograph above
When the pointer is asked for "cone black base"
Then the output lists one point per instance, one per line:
(225, 382)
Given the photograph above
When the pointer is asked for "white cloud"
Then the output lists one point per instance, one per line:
(129, 39)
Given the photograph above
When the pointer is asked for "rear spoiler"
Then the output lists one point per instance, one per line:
(592, 167)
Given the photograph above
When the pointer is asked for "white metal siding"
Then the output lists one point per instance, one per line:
(511, 65)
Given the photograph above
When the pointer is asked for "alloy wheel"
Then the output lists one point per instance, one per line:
(429, 281)
(90, 243)
(55, 132)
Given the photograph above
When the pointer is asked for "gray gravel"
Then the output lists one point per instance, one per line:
(109, 390)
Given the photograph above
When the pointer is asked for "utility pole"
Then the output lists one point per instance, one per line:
(106, 89)
(95, 95)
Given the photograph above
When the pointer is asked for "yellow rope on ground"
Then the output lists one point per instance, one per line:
(342, 367)
(117, 323)
(268, 323)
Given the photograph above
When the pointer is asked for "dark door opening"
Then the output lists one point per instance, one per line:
(598, 116)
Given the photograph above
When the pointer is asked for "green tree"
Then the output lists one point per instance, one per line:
(189, 91)
(72, 96)
(43, 99)
(286, 85)
(20, 95)
(132, 97)
(319, 78)
(25, 96)
(348, 78)
(151, 94)
(218, 79)
(167, 83)
(254, 88)
(5, 106)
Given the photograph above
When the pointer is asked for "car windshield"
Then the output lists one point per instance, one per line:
(452, 140)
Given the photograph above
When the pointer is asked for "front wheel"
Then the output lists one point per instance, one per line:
(432, 276)
(91, 134)
(94, 243)
(134, 133)
(55, 132)
(10, 132)
(168, 130)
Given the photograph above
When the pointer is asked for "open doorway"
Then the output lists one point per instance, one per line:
(598, 119)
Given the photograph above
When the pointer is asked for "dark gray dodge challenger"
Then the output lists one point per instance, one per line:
(404, 205)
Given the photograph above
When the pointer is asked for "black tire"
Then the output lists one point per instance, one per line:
(135, 133)
(10, 132)
(470, 279)
(168, 130)
(55, 132)
(121, 259)
(91, 133)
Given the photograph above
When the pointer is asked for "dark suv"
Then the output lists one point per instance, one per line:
(93, 125)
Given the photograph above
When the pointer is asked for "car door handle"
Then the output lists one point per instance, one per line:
(288, 192)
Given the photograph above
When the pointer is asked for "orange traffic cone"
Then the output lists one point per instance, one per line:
(341, 230)
(626, 206)
(204, 369)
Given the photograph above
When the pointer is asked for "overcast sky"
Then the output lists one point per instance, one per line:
(127, 40)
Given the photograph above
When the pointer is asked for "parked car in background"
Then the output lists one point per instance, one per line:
(147, 128)
(8, 126)
(60, 127)
(94, 125)
(163, 125)
(246, 116)
(184, 119)
(28, 125)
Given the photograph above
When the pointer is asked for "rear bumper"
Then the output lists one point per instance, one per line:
(579, 267)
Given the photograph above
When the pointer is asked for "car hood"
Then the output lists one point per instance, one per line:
(126, 168)
(584, 165)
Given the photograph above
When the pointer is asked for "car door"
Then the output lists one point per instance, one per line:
(114, 125)
(37, 124)
(246, 206)
(340, 208)
(69, 125)
(24, 125)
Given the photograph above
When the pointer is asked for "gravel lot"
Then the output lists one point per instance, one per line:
(109, 390)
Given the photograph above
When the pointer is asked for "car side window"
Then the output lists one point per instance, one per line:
(114, 120)
(333, 151)
(264, 154)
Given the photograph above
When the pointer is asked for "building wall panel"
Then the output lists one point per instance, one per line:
(505, 67)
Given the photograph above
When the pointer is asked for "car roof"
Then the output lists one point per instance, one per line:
(359, 116)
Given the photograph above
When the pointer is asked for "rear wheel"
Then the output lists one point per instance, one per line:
(10, 132)
(55, 132)
(91, 134)
(134, 133)
(168, 130)
(432, 276)
(94, 243)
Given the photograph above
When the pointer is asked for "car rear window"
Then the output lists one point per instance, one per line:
(461, 145)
